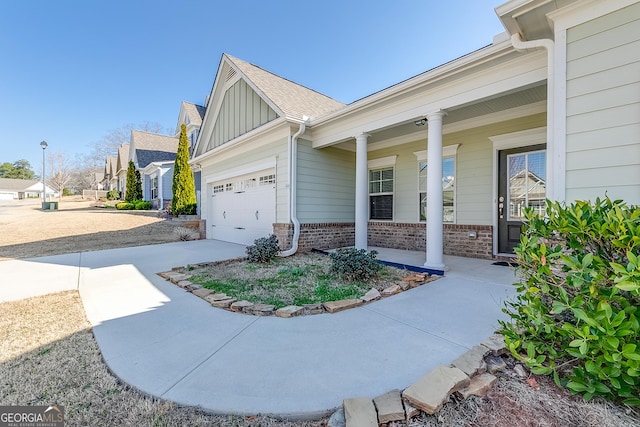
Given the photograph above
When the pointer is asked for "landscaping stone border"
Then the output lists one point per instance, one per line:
(466, 376)
(181, 279)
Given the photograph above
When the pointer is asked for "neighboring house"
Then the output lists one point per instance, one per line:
(110, 180)
(122, 165)
(153, 155)
(11, 189)
(554, 101)
(191, 115)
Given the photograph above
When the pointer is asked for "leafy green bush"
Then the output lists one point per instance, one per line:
(113, 195)
(355, 264)
(141, 205)
(125, 206)
(263, 249)
(576, 314)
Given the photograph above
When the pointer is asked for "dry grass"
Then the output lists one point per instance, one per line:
(28, 232)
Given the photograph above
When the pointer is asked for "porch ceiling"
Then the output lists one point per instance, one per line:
(487, 108)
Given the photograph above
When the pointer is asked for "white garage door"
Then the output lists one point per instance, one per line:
(6, 196)
(243, 208)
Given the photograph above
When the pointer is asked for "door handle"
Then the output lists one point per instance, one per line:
(257, 215)
(501, 209)
(224, 214)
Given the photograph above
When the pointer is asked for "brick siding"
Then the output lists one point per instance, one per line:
(394, 235)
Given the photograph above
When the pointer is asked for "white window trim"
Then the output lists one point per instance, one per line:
(384, 162)
(393, 192)
(449, 151)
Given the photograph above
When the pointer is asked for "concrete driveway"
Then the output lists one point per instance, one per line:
(169, 343)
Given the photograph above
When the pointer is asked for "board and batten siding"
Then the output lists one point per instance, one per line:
(474, 171)
(242, 110)
(233, 160)
(603, 107)
(326, 184)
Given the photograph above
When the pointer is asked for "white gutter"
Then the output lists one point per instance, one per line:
(548, 45)
(293, 178)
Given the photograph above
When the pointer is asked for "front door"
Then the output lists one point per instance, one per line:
(522, 182)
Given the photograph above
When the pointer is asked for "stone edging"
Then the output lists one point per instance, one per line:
(226, 302)
(472, 374)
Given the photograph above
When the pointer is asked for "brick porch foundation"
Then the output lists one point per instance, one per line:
(390, 235)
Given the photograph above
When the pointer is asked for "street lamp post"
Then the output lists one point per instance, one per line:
(43, 144)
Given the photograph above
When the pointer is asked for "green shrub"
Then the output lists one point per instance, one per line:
(263, 249)
(576, 314)
(141, 205)
(355, 264)
(113, 195)
(184, 200)
(125, 206)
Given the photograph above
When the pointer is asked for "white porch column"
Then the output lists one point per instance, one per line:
(160, 197)
(362, 191)
(435, 258)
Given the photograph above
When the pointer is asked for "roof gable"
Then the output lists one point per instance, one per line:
(122, 162)
(190, 114)
(245, 97)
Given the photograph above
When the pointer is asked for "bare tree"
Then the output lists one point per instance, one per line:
(108, 144)
(59, 171)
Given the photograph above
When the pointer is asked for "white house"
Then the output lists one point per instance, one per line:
(555, 97)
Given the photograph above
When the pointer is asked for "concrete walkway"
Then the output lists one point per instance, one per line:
(171, 344)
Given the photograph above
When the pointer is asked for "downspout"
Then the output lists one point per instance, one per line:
(548, 45)
(293, 178)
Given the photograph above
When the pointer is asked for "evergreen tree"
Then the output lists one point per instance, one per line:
(133, 189)
(184, 189)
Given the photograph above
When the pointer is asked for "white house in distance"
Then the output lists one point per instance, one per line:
(11, 189)
(551, 106)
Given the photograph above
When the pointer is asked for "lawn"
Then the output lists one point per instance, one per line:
(298, 280)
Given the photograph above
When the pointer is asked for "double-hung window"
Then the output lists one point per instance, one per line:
(448, 184)
(381, 186)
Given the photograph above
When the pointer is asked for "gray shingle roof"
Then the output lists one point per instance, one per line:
(151, 147)
(294, 100)
(194, 111)
(17, 185)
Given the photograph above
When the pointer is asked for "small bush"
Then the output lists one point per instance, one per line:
(113, 195)
(263, 249)
(576, 314)
(141, 205)
(125, 206)
(355, 264)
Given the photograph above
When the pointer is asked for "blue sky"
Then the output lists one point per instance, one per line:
(73, 70)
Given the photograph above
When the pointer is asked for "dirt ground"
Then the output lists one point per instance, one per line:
(27, 231)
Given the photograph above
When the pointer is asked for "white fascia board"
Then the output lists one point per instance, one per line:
(528, 69)
(153, 166)
(265, 164)
(249, 141)
(472, 59)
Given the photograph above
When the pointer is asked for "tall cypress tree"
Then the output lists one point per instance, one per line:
(133, 190)
(184, 189)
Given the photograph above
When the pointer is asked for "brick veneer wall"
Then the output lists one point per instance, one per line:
(327, 235)
(394, 235)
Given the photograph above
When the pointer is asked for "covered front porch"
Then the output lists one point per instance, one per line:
(488, 271)
(427, 157)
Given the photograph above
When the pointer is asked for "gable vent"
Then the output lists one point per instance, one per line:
(231, 73)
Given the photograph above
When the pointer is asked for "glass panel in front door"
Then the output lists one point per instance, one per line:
(526, 183)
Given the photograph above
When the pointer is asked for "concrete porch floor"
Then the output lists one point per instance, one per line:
(457, 266)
